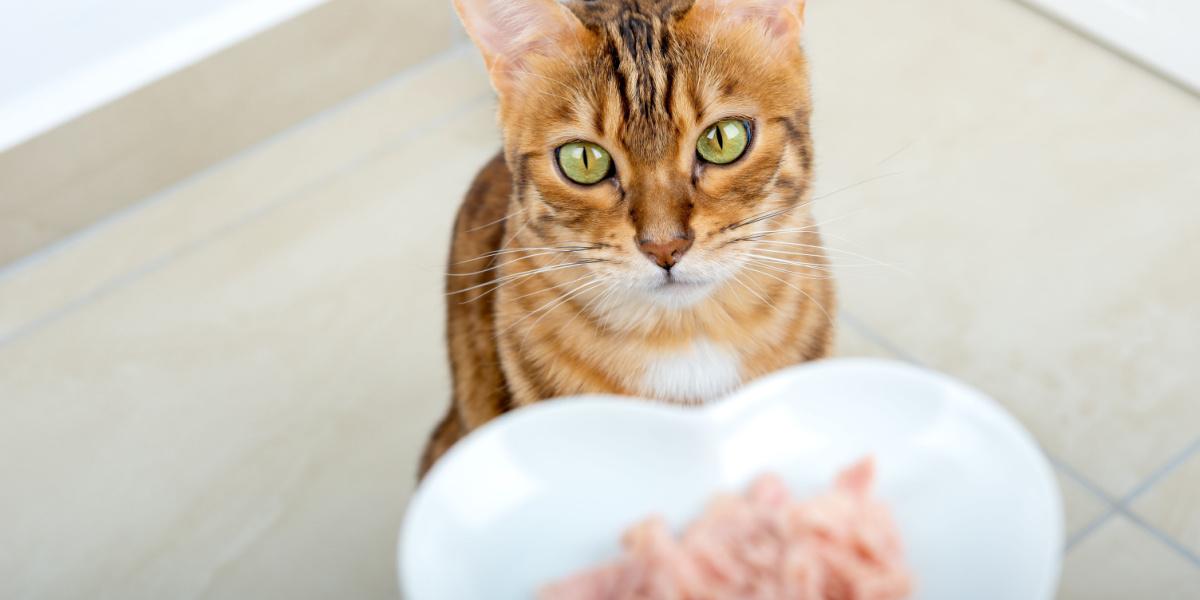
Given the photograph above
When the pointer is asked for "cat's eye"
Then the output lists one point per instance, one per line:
(724, 142)
(584, 163)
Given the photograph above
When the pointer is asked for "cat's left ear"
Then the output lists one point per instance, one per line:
(509, 32)
(782, 19)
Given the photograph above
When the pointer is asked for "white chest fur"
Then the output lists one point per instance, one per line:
(702, 371)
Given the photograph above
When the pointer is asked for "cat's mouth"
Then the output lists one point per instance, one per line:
(679, 292)
(675, 282)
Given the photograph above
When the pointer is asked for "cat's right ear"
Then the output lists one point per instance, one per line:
(781, 20)
(509, 32)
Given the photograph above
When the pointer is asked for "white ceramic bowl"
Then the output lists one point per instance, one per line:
(547, 490)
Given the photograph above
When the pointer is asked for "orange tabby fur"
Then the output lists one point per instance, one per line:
(549, 293)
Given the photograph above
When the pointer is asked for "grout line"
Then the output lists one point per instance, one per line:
(1111, 508)
(102, 224)
(1123, 511)
(1079, 478)
(1125, 504)
(281, 200)
(1162, 536)
(1122, 506)
(1088, 529)
(857, 325)
(1157, 476)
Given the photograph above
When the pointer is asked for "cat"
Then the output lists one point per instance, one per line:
(646, 230)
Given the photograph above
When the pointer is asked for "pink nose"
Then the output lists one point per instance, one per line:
(665, 254)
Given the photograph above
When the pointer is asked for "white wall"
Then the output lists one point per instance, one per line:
(61, 58)
(1162, 33)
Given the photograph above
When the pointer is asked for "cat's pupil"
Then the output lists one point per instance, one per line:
(720, 138)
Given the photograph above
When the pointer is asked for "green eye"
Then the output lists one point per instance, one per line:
(584, 162)
(724, 142)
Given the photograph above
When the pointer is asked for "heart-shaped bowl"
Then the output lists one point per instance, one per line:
(547, 490)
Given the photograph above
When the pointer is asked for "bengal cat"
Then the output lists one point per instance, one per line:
(646, 230)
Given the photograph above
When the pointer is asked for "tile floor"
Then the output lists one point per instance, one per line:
(220, 392)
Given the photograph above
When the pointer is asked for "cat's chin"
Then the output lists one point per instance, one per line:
(679, 293)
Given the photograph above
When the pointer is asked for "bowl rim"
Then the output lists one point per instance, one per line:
(747, 400)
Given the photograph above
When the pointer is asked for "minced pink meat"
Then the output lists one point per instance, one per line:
(842, 545)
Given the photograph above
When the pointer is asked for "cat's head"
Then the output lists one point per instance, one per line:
(655, 133)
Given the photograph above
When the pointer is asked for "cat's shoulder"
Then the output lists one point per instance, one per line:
(487, 198)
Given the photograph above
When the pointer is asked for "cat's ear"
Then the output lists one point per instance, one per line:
(783, 20)
(508, 32)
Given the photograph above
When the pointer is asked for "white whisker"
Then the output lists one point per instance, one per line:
(797, 263)
(513, 237)
(771, 214)
(549, 249)
(792, 272)
(525, 274)
(552, 286)
(608, 288)
(854, 185)
(505, 263)
(790, 230)
(549, 307)
(820, 247)
(496, 222)
(790, 252)
(752, 291)
(870, 263)
(806, 294)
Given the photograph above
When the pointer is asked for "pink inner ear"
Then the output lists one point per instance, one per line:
(505, 30)
(782, 18)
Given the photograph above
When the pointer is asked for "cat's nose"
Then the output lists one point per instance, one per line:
(666, 254)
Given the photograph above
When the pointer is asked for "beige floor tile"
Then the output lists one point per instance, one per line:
(1121, 562)
(1173, 504)
(854, 342)
(179, 218)
(245, 420)
(1042, 216)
